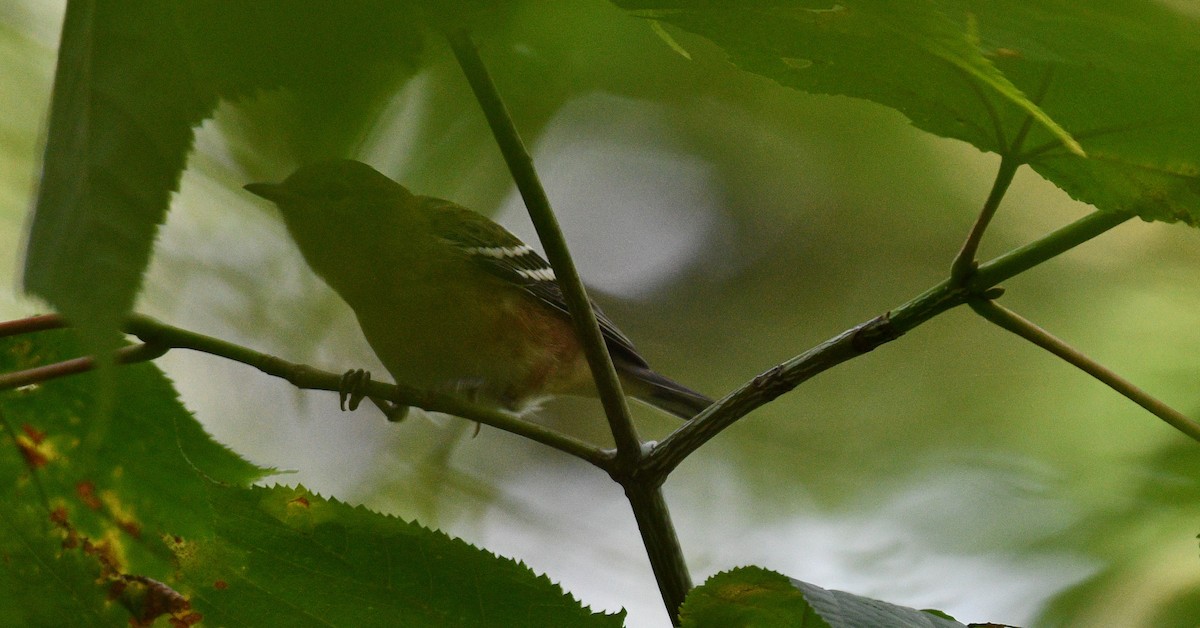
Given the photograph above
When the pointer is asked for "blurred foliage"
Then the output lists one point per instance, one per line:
(923, 474)
(1167, 495)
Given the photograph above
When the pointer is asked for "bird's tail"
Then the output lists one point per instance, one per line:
(662, 392)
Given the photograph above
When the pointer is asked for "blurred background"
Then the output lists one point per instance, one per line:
(726, 224)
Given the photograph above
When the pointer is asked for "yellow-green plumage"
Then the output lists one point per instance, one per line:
(446, 297)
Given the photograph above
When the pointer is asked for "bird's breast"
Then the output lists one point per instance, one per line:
(454, 326)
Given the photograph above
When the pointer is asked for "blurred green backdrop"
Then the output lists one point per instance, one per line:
(727, 224)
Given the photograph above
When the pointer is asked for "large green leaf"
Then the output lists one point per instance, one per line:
(135, 77)
(151, 515)
(1037, 80)
(752, 596)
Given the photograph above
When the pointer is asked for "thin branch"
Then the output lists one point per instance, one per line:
(159, 338)
(303, 376)
(654, 522)
(1026, 329)
(670, 570)
(39, 374)
(1059, 241)
(680, 444)
(31, 324)
(964, 263)
(520, 163)
(780, 379)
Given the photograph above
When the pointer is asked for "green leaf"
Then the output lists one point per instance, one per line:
(667, 39)
(1037, 81)
(103, 528)
(1120, 75)
(908, 55)
(133, 80)
(120, 127)
(283, 556)
(752, 596)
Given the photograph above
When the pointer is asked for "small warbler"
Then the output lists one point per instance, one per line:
(448, 298)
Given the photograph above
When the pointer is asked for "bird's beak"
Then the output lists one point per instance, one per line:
(273, 192)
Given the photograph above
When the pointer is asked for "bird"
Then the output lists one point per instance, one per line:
(448, 299)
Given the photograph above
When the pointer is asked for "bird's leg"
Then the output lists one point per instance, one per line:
(470, 388)
(350, 394)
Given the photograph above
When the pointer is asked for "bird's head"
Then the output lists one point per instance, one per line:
(329, 185)
(341, 213)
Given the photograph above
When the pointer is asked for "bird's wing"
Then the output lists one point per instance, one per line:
(504, 255)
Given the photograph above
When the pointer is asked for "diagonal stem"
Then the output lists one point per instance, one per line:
(678, 445)
(1048, 246)
(160, 337)
(32, 324)
(1011, 321)
(520, 163)
(964, 263)
(303, 376)
(658, 533)
(39, 374)
(649, 508)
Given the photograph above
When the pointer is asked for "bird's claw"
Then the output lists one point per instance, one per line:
(350, 392)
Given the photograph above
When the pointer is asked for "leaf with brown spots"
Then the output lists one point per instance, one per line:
(154, 514)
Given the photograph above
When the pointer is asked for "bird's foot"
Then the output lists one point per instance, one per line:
(351, 388)
(352, 391)
(473, 389)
